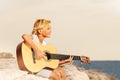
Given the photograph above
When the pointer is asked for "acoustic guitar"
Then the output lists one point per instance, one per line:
(27, 62)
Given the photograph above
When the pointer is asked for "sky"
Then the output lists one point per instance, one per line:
(79, 27)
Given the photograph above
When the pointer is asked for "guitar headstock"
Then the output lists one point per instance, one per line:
(85, 59)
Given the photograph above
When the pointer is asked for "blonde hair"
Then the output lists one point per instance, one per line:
(39, 24)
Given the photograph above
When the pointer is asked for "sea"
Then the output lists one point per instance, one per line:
(110, 67)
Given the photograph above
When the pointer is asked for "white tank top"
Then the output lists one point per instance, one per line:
(35, 38)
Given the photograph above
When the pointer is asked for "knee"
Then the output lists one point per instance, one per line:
(61, 73)
(61, 70)
(54, 76)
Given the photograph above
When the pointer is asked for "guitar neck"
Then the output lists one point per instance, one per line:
(62, 56)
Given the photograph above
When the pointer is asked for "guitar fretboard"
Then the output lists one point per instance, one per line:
(62, 56)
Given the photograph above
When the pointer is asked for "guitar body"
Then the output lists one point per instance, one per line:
(26, 58)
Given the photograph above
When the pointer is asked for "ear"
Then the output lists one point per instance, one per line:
(39, 31)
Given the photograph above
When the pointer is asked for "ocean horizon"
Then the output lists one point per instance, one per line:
(110, 67)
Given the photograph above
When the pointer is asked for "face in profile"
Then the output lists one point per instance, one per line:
(46, 31)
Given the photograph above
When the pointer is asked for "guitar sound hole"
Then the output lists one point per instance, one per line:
(47, 54)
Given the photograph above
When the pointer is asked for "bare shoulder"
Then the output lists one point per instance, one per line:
(27, 39)
(24, 36)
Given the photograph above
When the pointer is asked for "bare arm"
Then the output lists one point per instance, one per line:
(84, 60)
(28, 40)
(66, 60)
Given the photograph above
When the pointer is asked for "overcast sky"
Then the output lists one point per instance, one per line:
(80, 27)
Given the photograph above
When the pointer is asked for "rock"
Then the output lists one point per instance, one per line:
(73, 73)
(9, 71)
(98, 75)
(6, 55)
(78, 73)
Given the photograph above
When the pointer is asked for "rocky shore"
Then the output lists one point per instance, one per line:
(9, 71)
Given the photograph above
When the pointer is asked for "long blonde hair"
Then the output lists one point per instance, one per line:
(39, 24)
